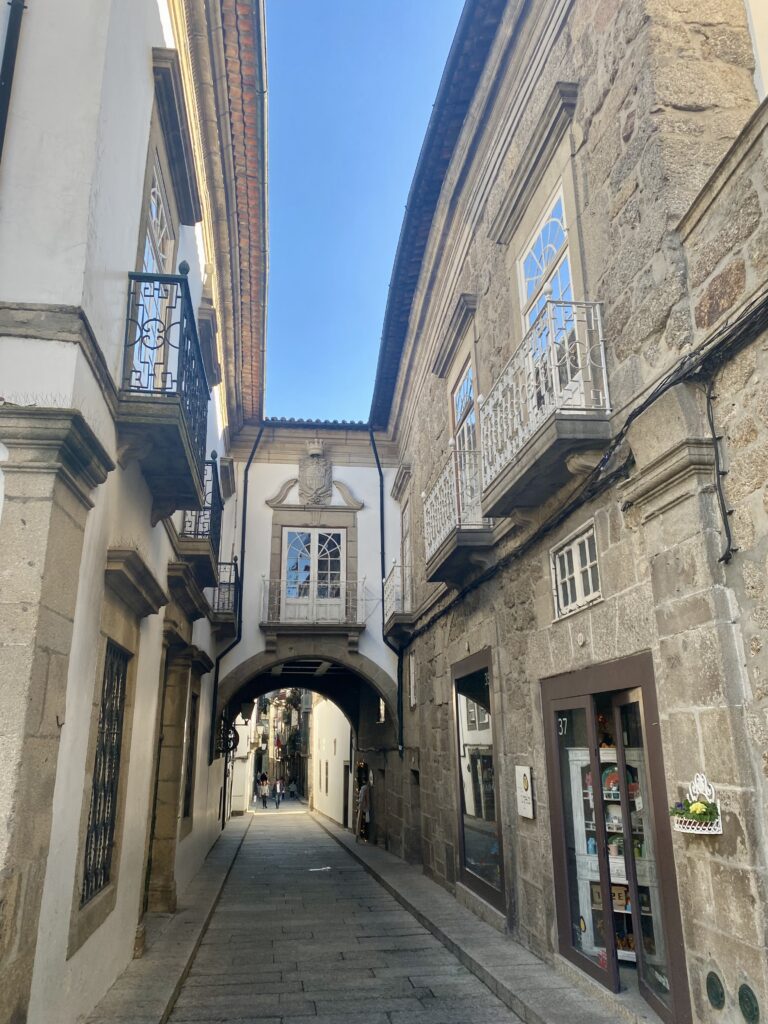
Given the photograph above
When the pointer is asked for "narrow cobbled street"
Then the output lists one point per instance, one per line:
(302, 933)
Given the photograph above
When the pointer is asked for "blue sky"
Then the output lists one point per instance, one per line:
(351, 88)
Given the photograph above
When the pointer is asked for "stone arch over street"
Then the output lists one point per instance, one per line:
(326, 666)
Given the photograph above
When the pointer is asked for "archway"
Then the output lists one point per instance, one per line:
(355, 684)
(326, 666)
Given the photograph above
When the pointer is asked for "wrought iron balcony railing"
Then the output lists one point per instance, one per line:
(454, 501)
(162, 350)
(559, 367)
(313, 601)
(397, 591)
(207, 522)
(226, 595)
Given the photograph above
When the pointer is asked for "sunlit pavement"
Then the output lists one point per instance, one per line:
(302, 934)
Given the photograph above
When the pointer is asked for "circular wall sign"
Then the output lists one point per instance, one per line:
(715, 991)
(748, 1004)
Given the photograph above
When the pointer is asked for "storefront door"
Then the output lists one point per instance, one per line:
(614, 875)
(480, 849)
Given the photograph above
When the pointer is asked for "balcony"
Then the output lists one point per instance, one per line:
(313, 607)
(225, 601)
(163, 400)
(455, 531)
(398, 616)
(550, 401)
(201, 531)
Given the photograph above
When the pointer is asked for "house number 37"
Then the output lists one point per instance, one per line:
(562, 726)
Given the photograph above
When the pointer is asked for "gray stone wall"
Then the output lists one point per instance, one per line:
(664, 95)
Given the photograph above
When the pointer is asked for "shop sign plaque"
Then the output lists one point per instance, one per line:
(524, 791)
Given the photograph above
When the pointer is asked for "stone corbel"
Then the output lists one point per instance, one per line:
(522, 518)
(129, 576)
(132, 449)
(582, 463)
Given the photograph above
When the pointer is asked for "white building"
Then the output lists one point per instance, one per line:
(132, 284)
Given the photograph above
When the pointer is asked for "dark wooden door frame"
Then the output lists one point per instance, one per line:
(610, 975)
(634, 672)
(482, 661)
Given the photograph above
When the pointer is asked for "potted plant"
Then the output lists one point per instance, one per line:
(699, 812)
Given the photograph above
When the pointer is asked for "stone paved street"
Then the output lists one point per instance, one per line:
(303, 934)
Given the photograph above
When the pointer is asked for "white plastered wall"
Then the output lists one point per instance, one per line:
(265, 481)
(69, 237)
(757, 14)
(330, 746)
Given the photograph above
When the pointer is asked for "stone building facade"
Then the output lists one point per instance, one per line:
(132, 289)
(571, 373)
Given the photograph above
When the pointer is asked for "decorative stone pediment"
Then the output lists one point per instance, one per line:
(550, 129)
(298, 494)
(402, 479)
(455, 332)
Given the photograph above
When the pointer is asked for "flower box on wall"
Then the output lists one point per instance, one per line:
(699, 814)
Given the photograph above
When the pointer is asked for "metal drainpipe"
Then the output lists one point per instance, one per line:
(9, 63)
(390, 645)
(239, 633)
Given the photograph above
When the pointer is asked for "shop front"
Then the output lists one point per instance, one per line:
(615, 886)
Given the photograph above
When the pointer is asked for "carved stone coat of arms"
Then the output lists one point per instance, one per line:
(315, 476)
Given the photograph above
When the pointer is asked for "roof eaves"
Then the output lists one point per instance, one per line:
(469, 51)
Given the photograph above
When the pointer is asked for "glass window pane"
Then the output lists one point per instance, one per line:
(482, 852)
(652, 959)
(584, 892)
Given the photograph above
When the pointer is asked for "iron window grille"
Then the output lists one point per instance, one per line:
(206, 523)
(226, 595)
(575, 573)
(102, 817)
(162, 350)
(189, 772)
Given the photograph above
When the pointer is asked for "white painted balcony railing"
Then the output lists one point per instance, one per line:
(397, 586)
(313, 601)
(454, 501)
(559, 367)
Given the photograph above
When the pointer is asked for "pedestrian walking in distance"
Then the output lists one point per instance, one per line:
(264, 791)
(363, 813)
(279, 790)
(292, 789)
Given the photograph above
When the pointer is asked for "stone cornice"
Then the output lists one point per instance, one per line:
(223, 67)
(466, 61)
(57, 441)
(186, 592)
(169, 94)
(678, 474)
(45, 322)
(129, 576)
(506, 93)
(747, 139)
(546, 137)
